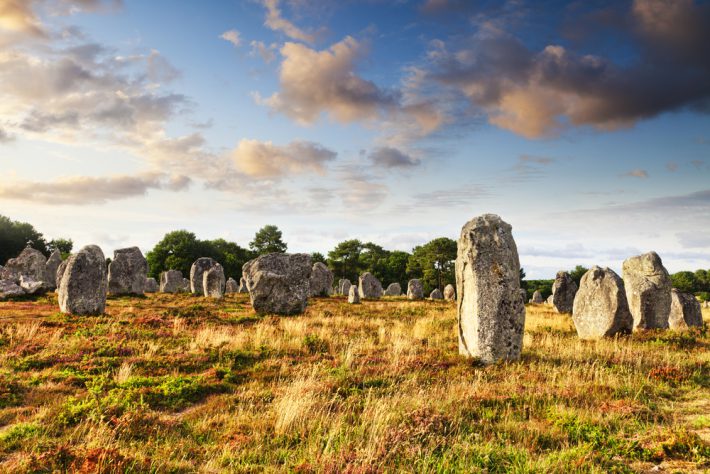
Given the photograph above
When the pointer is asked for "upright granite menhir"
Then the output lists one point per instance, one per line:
(564, 290)
(199, 267)
(600, 308)
(127, 272)
(278, 282)
(491, 315)
(648, 291)
(83, 287)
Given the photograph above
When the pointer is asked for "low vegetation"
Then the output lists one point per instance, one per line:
(175, 383)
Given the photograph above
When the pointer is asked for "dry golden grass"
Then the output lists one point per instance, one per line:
(175, 383)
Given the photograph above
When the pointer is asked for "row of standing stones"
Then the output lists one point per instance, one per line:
(491, 304)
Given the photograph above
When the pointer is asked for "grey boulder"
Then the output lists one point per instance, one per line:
(243, 286)
(50, 270)
(436, 295)
(127, 272)
(321, 280)
(369, 286)
(353, 295)
(151, 285)
(9, 289)
(213, 282)
(563, 291)
(31, 286)
(30, 263)
(648, 291)
(171, 281)
(199, 267)
(60, 273)
(278, 282)
(82, 290)
(415, 291)
(685, 311)
(537, 297)
(393, 290)
(600, 307)
(344, 287)
(231, 286)
(449, 292)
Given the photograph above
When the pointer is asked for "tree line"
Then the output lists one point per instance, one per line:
(432, 262)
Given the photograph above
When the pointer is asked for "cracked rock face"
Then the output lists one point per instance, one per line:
(321, 281)
(127, 272)
(197, 270)
(369, 286)
(648, 291)
(600, 307)
(564, 290)
(491, 314)
(415, 290)
(685, 311)
(82, 290)
(278, 282)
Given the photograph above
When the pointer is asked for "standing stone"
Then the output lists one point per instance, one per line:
(213, 282)
(31, 286)
(151, 285)
(171, 281)
(82, 290)
(127, 272)
(60, 273)
(50, 270)
(9, 288)
(344, 287)
(600, 307)
(563, 290)
(243, 286)
(30, 263)
(369, 286)
(185, 287)
(685, 311)
(393, 290)
(449, 292)
(321, 281)
(491, 315)
(415, 291)
(231, 286)
(278, 282)
(200, 266)
(436, 295)
(648, 291)
(537, 297)
(353, 295)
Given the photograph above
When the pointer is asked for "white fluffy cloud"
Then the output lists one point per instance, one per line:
(276, 21)
(266, 160)
(232, 36)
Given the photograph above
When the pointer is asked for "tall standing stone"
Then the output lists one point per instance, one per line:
(415, 291)
(50, 270)
(600, 307)
(353, 295)
(231, 286)
(537, 297)
(369, 286)
(449, 292)
(648, 291)
(321, 281)
(344, 287)
(278, 282)
(393, 290)
(685, 311)
(127, 272)
(491, 315)
(83, 287)
(563, 291)
(200, 266)
(171, 281)
(213, 282)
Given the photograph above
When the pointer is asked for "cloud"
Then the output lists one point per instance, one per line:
(21, 15)
(446, 198)
(387, 157)
(267, 53)
(266, 160)
(232, 36)
(636, 173)
(275, 21)
(672, 166)
(84, 190)
(540, 93)
(693, 239)
(5, 137)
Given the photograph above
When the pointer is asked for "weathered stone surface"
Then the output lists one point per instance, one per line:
(231, 286)
(685, 311)
(50, 270)
(415, 290)
(9, 289)
(524, 295)
(537, 297)
(185, 287)
(436, 295)
(127, 272)
(60, 273)
(600, 308)
(213, 282)
(171, 281)
(344, 287)
(321, 281)
(549, 300)
(449, 292)
(243, 286)
(563, 290)
(353, 295)
(31, 286)
(278, 282)
(393, 290)
(31, 263)
(200, 266)
(369, 286)
(82, 290)
(151, 285)
(648, 291)
(491, 314)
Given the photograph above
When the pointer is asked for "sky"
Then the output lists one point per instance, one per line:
(583, 124)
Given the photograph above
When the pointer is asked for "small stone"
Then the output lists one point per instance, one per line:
(127, 272)
(537, 297)
(436, 295)
(393, 290)
(369, 286)
(172, 281)
(648, 291)
(279, 282)
(321, 281)
(151, 285)
(353, 295)
(415, 291)
(231, 286)
(600, 307)
(200, 266)
(82, 290)
(449, 292)
(685, 311)
(213, 282)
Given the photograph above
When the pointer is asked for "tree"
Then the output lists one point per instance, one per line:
(344, 259)
(229, 254)
(176, 251)
(396, 267)
(578, 273)
(64, 246)
(373, 259)
(434, 261)
(523, 283)
(317, 257)
(268, 240)
(685, 282)
(15, 236)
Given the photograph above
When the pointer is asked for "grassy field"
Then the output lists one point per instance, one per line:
(175, 383)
